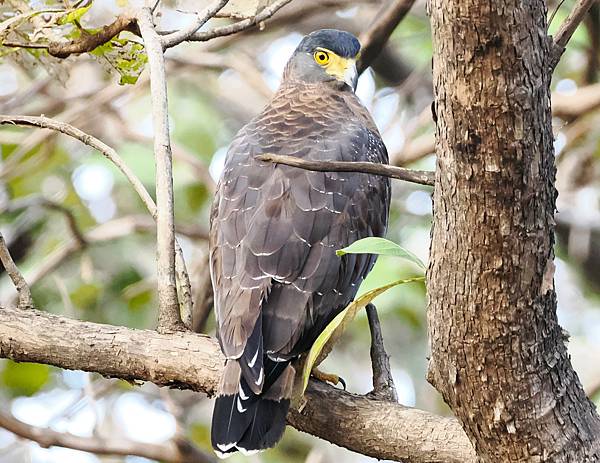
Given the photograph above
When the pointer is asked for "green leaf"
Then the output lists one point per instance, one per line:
(24, 378)
(74, 15)
(337, 326)
(374, 245)
(124, 56)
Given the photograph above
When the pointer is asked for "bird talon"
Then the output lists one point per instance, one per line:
(330, 378)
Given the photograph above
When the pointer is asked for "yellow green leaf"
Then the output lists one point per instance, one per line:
(381, 246)
(337, 326)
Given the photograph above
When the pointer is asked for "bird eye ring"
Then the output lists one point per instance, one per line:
(321, 57)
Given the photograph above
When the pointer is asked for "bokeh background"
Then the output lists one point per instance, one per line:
(214, 88)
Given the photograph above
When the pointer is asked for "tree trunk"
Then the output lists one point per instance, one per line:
(498, 355)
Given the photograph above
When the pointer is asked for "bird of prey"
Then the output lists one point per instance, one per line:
(274, 231)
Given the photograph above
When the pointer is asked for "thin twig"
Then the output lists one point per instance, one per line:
(10, 44)
(378, 33)
(33, 201)
(222, 31)
(204, 297)
(103, 148)
(179, 36)
(25, 299)
(552, 16)
(174, 451)
(108, 231)
(78, 110)
(169, 318)
(383, 382)
(110, 154)
(415, 176)
(567, 29)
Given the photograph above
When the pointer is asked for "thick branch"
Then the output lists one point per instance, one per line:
(415, 176)
(172, 451)
(498, 353)
(567, 29)
(193, 361)
(25, 299)
(248, 23)
(378, 33)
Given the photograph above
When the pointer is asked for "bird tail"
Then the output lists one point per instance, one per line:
(248, 422)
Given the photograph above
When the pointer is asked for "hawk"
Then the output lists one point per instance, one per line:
(274, 231)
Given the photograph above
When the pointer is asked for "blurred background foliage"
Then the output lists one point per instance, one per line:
(214, 88)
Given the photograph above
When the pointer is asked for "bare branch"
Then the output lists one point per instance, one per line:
(415, 176)
(567, 29)
(103, 148)
(169, 317)
(25, 299)
(188, 360)
(265, 14)
(175, 38)
(204, 297)
(111, 155)
(32, 201)
(383, 382)
(182, 451)
(380, 30)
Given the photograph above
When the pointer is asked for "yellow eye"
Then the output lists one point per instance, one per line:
(321, 57)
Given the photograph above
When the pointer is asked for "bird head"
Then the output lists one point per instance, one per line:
(326, 55)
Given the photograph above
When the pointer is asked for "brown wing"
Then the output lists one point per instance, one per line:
(275, 229)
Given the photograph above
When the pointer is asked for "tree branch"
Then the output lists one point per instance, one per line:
(108, 152)
(567, 29)
(380, 30)
(174, 451)
(112, 155)
(25, 299)
(169, 317)
(85, 43)
(415, 176)
(265, 14)
(34, 200)
(192, 361)
(383, 382)
(175, 38)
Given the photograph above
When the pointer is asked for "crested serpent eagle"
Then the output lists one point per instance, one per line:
(275, 229)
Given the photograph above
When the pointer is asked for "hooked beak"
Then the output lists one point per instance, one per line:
(344, 70)
(351, 75)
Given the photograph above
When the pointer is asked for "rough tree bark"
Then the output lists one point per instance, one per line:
(498, 355)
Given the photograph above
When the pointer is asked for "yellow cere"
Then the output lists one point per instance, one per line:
(334, 64)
